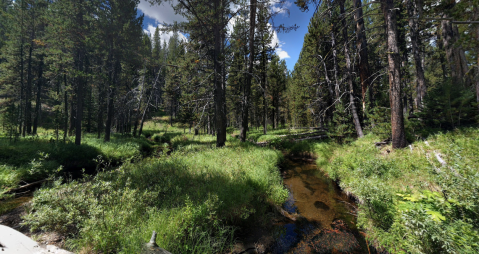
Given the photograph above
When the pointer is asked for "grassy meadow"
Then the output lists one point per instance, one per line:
(409, 200)
(180, 185)
(421, 199)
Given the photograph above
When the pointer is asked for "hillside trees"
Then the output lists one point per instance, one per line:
(384, 43)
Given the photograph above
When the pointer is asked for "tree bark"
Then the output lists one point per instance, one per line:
(357, 124)
(362, 47)
(414, 9)
(265, 87)
(394, 66)
(454, 53)
(337, 91)
(219, 96)
(476, 16)
(247, 86)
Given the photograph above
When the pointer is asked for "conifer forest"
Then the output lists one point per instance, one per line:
(203, 133)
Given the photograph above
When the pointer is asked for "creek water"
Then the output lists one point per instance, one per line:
(324, 215)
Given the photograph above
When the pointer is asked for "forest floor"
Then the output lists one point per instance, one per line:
(196, 196)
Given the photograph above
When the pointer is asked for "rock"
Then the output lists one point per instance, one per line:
(153, 248)
(14, 242)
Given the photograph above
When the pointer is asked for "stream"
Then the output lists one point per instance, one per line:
(325, 222)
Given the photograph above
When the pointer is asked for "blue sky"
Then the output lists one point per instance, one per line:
(289, 43)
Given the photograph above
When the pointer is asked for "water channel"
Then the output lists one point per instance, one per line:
(324, 220)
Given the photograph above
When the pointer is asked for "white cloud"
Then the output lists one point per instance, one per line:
(282, 54)
(276, 42)
(281, 8)
(164, 36)
(163, 13)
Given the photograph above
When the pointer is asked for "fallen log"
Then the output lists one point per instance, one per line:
(26, 186)
(300, 134)
(314, 137)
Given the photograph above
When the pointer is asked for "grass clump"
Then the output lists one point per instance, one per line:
(191, 200)
(409, 200)
(33, 158)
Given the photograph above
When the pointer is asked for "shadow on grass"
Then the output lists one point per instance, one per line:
(177, 197)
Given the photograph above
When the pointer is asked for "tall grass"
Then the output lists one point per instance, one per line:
(191, 200)
(409, 200)
(33, 158)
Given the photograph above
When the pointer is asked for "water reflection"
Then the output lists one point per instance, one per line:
(324, 222)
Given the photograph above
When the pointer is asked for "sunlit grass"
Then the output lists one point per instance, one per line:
(188, 198)
(410, 190)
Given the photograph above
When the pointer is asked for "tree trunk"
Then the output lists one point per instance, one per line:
(39, 96)
(101, 106)
(273, 113)
(111, 98)
(22, 83)
(439, 42)
(138, 109)
(247, 86)
(333, 46)
(219, 96)
(454, 53)
(265, 99)
(89, 108)
(476, 16)
(394, 70)
(80, 89)
(110, 115)
(28, 92)
(357, 124)
(72, 114)
(65, 127)
(362, 47)
(414, 9)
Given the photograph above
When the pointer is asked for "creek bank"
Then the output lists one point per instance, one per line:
(316, 218)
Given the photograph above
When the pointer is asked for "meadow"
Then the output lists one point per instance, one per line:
(193, 194)
(421, 199)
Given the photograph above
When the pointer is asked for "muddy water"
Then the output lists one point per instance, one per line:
(324, 215)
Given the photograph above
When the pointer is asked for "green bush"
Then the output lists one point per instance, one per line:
(188, 198)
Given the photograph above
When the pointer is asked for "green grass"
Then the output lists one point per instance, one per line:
(409, 202)
(34, 158)
(194, 194)
(191, 199)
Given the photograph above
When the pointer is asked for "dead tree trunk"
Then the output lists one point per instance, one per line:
(454, 53)
(362, 47)
(415, 9)
(357, 124)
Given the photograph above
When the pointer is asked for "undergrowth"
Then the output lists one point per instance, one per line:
(411, 202)
(191, 199)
